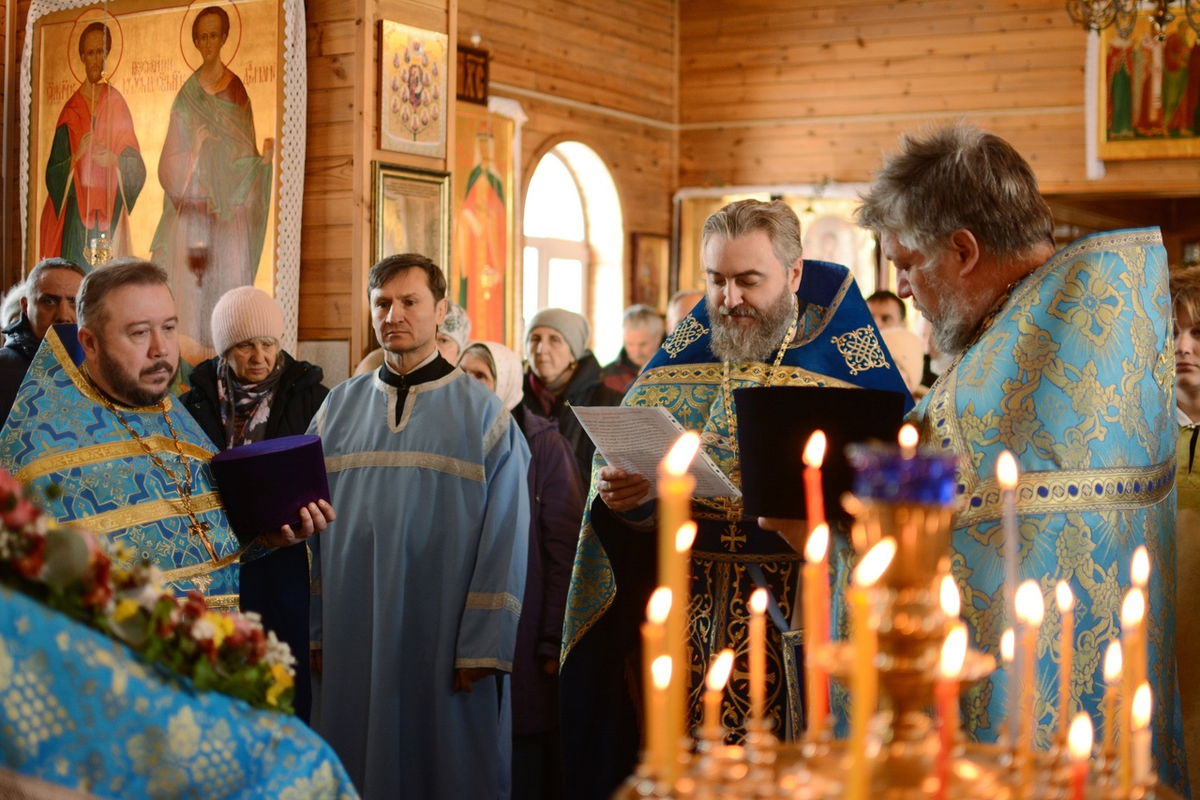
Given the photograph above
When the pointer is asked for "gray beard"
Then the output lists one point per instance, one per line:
(954, 330)
(757, 342)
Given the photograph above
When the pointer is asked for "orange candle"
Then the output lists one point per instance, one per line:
(816, 628)
(1112, 678)
(1079, 748)
(1133, 645)
(814, 496)
(954, 652)
(1139, 574)
(714, 691)
(758, 657)
(657, 748)
(1031, 609)
(656, 717)
(1065, 599)
(1140, 725)
(1008, 657)
(864, 682)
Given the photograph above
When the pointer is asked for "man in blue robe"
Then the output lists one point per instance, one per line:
(421, 578)
(770, 319)
(123, 461)
(1066, 360)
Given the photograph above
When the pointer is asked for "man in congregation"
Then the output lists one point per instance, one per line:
(49, 299)
(106, 446)
(422, 576)
(770, 318)
(904, 345)
(1064, 359)
(641, 336)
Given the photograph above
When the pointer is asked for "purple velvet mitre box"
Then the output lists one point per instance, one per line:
(264, 485)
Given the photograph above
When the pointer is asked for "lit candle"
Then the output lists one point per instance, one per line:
(674, 508)
(864, 682)
(1065, 600)
(657, 747)
(1006, 476)
(908, 441)
(1008, 655)
(656, 716)
(1079, 747)
(1139, 574)
(954, 653)
(816, 627)
(1133, 615)
(1031, 608)
(714, 692)
(1141, 734)
(814, 496)
(950, 601)
(1112, 679)
(758, 657)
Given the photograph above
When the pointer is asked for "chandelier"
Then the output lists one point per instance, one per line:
(1096, 15)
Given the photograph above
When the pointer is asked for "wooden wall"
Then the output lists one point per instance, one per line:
(800, 91)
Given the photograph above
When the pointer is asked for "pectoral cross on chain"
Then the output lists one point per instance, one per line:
(198, 528)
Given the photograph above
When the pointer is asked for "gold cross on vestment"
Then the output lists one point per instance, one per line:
(198, 528)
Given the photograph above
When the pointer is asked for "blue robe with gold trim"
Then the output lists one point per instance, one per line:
(837, 345)
(1075, 375)
(60, 433)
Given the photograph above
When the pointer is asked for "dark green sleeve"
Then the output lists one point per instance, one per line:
(58, 167)
(133, 175)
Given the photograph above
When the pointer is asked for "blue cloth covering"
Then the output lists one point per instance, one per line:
(80, 710)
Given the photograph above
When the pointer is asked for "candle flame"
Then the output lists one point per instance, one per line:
(909, 437)
(758, 601)
(1006, 470)
(659, 605)
(874, 563)
(814, 451)
(1079, 737)
(1113, 663)
(685, 536)
(1031, 607)
(1064, 597)
(1133, 610)
(660, 671)
(949, 597)
(818, 543)
(954, 652)
(682, 452)
(1141, 706)
(1140, 570)
(718, 673)
(1008, 645)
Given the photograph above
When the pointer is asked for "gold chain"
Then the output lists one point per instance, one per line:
(196, 528)
(727, 394)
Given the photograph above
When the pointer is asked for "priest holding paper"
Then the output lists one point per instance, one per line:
(770, 319)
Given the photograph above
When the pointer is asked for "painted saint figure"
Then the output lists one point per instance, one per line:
(217, 186)
(1120, 88)
(95, 170)
(482, 244)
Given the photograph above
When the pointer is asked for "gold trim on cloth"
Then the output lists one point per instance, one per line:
(493, 602)
(98, 453)
(686, 332)
(483, 663)
(829, 314)
(747, 558)
(221, 601)
(144, 513)
(860, 348)
(1058, 491)
(783, 375)
(451, 466)
(410, 398)
(85, 386)
(196, 570)
(496, 432)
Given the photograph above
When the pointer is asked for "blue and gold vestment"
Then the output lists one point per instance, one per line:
(837, 345)
(60, 433)
(80, 710)
(1074, 374)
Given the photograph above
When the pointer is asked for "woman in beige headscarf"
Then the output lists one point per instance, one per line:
(556, 503)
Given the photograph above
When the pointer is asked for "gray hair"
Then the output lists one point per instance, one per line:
(44, 266)
(776, 219)
(643, 316)
(90, 309)
(958, 177)
(10, 306)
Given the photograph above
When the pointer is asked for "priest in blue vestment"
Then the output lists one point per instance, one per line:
(421, 577)
(769, 319)
(1066, 360)
(96, 433)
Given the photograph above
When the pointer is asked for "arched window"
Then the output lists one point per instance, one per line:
(574, 243)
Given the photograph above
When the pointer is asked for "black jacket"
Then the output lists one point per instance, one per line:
(15, 357)
(296, 400)
(585, 389)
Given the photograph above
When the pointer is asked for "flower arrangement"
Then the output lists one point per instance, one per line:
(69, 571)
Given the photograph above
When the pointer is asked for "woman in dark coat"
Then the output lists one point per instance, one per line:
(562, 373)
(556, 508)
(255, 391)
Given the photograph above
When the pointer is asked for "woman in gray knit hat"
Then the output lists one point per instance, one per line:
(562, 371)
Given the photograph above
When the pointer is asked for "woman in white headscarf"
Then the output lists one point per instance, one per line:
(556, 502)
